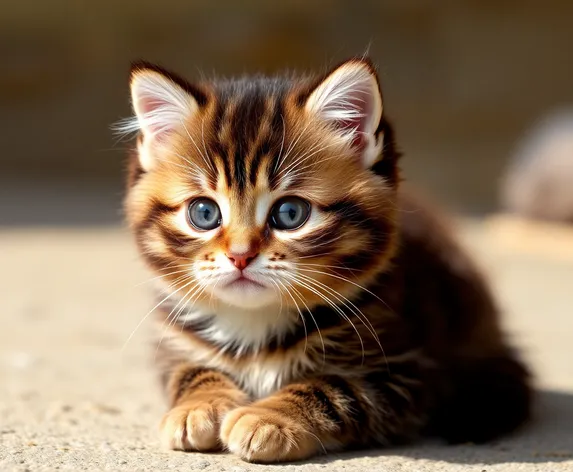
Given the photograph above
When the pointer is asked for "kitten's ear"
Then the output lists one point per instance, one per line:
(349, 99)
(161, 104)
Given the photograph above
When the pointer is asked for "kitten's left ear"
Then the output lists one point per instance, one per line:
(349, 99)
(162, 103)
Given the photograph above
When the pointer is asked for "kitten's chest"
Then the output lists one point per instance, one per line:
(262, 375)
(259, 373)
(245, 347)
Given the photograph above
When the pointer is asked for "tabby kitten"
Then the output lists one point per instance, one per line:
(306, 305)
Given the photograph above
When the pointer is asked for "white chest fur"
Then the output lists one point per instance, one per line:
(263, 375)
(242, 336)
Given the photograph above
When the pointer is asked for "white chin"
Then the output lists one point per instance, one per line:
(246, 295)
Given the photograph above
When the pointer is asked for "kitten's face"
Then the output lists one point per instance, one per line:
(260, 192)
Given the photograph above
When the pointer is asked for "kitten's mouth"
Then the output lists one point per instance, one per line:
(243, 281)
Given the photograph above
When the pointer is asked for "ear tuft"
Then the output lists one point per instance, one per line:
(349, 100)
(161, 105)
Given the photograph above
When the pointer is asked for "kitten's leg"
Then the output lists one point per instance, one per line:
(199, 399)
(320, 415)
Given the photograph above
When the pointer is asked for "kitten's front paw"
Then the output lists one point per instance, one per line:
(194, 425)
(263, 435)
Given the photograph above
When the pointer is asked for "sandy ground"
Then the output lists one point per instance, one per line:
(72, 397)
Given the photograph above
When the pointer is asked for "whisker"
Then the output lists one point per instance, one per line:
(204, 146)
(282, 144)
(174, 266)
(318, 439)
(196, 172)
(350, 282)
(294, 143)
(313, 255)
(195, 296)
(304, 157)
(213, 290)
(300, 169)
(355, 310)
(152, 310)
(314, 146)
(326, 243)
(314, 321)
(332, 304)
(196, 292)
(204, 157)
(300, 314)
(326, 266)
(167, 322)
(279, 295)
(163, 276)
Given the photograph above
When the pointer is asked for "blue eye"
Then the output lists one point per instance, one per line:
(289, 213)
(204, 214)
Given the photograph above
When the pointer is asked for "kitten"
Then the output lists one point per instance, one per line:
(307, 305)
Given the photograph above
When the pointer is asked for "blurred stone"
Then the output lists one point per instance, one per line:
(538, 182)
(461, 79)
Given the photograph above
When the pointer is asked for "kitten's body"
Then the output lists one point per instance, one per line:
(374, 326)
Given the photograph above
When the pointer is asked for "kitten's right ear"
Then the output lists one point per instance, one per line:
(162, 103)
(349, 100)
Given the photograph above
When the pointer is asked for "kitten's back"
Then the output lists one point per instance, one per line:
(482, 388)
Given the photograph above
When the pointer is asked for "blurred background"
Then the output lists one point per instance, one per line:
(462, 81)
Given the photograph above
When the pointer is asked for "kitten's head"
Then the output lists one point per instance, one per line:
(263, 191)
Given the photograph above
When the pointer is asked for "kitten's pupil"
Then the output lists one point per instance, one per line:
(293, 213)
(206, 213)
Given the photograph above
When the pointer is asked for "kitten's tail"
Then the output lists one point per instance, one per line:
(486, 398)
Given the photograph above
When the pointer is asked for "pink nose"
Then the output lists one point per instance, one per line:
(243, 259)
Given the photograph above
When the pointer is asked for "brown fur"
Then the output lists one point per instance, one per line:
(410, 340)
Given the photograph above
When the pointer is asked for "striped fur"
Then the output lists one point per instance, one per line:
(367, 325)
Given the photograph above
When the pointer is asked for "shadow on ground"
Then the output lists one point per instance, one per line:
(548, 438)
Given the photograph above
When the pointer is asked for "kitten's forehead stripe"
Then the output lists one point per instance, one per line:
(248, 130)
(263, 146)
(224, 145)
(248, 126)
(219, 128)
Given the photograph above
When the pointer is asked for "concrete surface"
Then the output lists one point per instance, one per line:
(72, 398)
